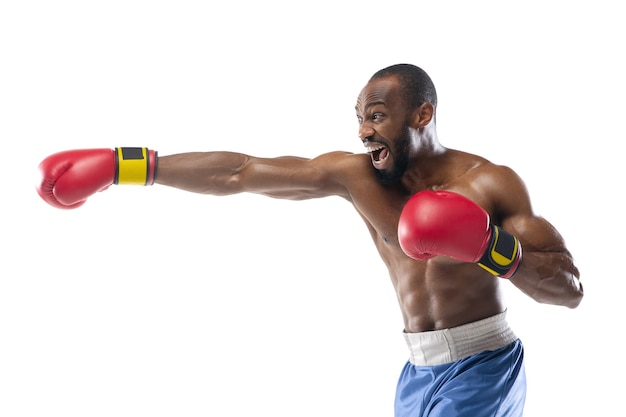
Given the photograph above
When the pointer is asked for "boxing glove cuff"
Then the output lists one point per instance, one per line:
(135, 166)
(503, 254)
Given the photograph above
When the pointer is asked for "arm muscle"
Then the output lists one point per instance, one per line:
(224, 173)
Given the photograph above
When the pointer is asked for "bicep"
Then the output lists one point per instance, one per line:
(291, 177)
(535, 233)
(515, 213)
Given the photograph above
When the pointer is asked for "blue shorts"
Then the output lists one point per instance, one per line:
(491, 383)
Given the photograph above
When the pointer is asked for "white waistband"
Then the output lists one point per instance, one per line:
(449, 345)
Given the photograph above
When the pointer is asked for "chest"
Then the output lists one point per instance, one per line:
(381, 213)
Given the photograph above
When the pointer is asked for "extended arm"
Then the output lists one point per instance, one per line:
(224, 173)
(68, 178)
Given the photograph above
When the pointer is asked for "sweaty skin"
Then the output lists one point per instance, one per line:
(433, 294)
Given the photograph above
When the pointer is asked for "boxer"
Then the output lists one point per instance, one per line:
(451, 227)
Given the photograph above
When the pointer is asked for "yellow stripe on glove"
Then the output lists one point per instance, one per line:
(132, 166)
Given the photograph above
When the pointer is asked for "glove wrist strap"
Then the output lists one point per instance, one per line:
(135, 166)
(503, 253)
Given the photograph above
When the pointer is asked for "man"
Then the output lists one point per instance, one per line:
(449, 225)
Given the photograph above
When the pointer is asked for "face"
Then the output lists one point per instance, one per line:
(384, 129)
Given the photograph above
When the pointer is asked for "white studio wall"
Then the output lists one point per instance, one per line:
(151, 301)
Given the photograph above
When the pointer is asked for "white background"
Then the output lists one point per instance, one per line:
(154, 302)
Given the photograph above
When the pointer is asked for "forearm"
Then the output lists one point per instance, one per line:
(213, 173)
(225, 173)
(550, 278)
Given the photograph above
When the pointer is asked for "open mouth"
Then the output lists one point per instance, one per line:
(379, 155)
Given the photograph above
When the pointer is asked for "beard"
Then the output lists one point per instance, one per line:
(400, 160)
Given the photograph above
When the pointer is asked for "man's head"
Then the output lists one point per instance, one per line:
(396, 102)
(416, 86)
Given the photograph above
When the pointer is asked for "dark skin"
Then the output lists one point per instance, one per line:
(433, 294)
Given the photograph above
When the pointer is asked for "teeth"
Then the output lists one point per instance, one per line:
(371, 149)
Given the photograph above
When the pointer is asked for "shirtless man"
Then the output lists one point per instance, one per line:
(449, 225)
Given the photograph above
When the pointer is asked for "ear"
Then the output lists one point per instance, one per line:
(423, 115)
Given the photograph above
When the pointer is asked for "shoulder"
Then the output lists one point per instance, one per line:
(493, 177)
(342, 171)
(497, 188)
(342, 164)
(482, 174)
(341, 157)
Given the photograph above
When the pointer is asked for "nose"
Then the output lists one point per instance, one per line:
(365, 131)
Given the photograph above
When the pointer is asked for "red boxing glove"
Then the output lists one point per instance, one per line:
(445, 223)
(68, 178)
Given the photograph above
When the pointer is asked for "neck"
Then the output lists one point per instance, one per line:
(425, 141)
(426, 158)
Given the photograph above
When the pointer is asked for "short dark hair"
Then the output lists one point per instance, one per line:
(417, 87)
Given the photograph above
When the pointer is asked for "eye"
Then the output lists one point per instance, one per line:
(377, 116)
(359, 119)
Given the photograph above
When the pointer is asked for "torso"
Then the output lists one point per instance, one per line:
(440, 292)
